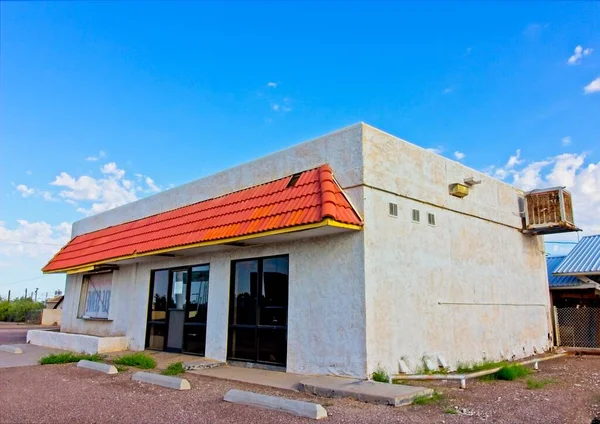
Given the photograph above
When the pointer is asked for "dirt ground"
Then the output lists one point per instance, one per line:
(65, 394)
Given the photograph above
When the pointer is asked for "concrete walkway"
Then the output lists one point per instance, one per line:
(326, 386)
(31, 355)
(277, 379)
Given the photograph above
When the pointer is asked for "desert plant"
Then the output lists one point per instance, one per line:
(426, 399)
(174, 369)
(381, 375)
(64, 358)
(138, 360)
(509, 373)
(533, 384)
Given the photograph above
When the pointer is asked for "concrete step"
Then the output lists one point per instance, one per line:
(365, 391)
(201, 364)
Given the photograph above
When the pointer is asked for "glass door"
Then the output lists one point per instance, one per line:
(194, 333)
(177, 310)
(258, 310)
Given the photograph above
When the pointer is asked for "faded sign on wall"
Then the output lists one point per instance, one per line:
(97, 303)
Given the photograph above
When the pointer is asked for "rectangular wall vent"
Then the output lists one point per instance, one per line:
(416, 215)
(431, 219)
(393, 210)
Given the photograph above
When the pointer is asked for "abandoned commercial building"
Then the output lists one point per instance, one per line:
(335, 256)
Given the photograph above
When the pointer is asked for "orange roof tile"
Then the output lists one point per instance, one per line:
(272, 206)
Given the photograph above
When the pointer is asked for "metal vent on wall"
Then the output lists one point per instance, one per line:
(431, 219)
(416, 215)
(393, 209)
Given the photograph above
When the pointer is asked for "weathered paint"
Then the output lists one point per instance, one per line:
(471, 284)
(465, 288)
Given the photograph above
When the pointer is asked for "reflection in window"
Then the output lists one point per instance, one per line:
(245, 290)
(274, 296)
(178, 290)
(159, 296)
(198, 302)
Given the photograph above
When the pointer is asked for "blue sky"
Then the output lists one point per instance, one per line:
(104, 103)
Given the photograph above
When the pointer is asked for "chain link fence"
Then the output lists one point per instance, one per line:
(578, 327)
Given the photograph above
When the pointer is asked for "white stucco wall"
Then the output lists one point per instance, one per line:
(464, 288)
(326, 325)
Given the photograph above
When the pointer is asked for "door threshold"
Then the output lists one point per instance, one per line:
(255, 365)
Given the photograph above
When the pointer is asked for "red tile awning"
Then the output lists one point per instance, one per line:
(307, 200)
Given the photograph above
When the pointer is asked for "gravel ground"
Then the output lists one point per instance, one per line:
(65, 394)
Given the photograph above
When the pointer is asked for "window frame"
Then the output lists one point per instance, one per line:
(431, 219)
(412, 216)
(83, 295)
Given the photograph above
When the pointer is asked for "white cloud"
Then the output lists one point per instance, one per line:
(94, 195)
(24, 190)
(448, 90)
(286, 109)
(100, 155)
(565, 141)
(514, 160)
(272, 84)
(592, 87)
(151, 185)
(276, 107)
(571, 171)
(459, 155)
(33, 239)
(28, 172)
(46, 195)
(578, 54)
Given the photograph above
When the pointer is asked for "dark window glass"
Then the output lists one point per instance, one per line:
(156, 339)
(242, 343)
(178, 290)
(274, 296)
(272, 346)
(159, 296)
(198, 302)
(245, 293)
(195, 339)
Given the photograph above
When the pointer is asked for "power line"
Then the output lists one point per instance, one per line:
(23, 281)
(29, 242)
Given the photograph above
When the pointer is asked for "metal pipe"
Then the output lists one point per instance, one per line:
(464, 377)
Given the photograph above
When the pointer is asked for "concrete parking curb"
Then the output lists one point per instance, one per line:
(162, 380)
(295, 407)
(11, 349)
(97, 366)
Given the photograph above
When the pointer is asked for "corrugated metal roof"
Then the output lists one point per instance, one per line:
(314, 197)
(559, 280)
(583, 259)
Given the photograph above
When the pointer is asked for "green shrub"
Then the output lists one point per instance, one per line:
(538, 384)
(138, 360)
(65, 358)
(121, 368)
(381, 375)
(451, 411)
(16, 310)
(427, 399)
(510, 372)
(467, 368)
(174, 369)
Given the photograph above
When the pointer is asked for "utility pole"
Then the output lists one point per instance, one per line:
(26, 293)
(9, 296)
(36, 289)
